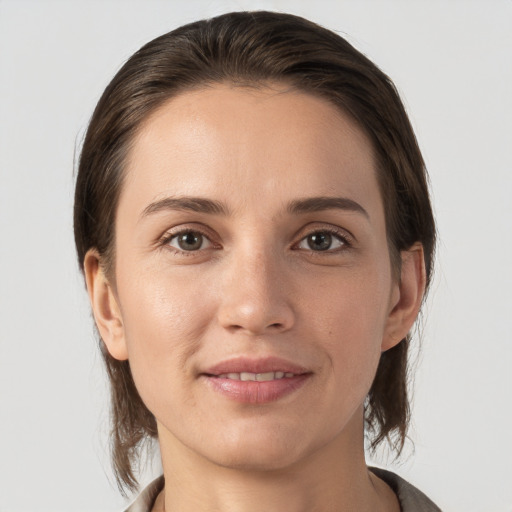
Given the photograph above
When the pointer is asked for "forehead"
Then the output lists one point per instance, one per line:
(245, 144)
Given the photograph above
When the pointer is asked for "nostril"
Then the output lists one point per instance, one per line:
(254, 316)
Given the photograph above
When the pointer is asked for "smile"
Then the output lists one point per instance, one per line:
(255, 381)
(257, 377)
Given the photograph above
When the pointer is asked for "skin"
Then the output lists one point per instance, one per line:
(254, 287)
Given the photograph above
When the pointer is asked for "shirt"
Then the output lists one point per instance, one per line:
(410, 498)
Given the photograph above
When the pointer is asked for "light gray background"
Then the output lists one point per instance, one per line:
(451, 60)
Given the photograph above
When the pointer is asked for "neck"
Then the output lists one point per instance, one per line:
(332, 478)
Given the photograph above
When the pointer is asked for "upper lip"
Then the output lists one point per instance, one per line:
(260, 365)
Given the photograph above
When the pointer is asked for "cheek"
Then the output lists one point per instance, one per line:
(350, 302)
(164, 319)
(352, 312)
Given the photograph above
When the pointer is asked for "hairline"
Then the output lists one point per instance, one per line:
(251, 84)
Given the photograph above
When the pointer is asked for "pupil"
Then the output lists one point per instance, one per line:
(320, 241)
(190, 241)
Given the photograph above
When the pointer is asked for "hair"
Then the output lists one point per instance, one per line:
(252, 49)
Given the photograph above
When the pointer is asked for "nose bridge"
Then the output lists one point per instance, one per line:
(255, 296)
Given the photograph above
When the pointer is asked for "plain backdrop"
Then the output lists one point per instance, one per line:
(451, 61)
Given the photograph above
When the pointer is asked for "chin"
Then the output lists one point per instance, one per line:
(257, 451)
(255, 460)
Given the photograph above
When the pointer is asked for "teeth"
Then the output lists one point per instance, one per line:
(259, 377)
(263, 377)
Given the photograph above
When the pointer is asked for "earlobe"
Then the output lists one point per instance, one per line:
(407, 297)
(104, 304)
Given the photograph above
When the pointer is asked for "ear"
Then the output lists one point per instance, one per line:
(105, 307)
(406, 297)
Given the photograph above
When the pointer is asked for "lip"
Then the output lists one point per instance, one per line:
(261, 365)
(255, 392)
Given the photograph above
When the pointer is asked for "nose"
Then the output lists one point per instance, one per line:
(256, 296)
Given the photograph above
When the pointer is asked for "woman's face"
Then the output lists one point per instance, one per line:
(253, 288)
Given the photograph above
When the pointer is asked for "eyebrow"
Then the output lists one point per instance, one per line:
(317, 204)
(190, 204)
(209, 206)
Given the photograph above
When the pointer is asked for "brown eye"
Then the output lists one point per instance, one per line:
(319, 241)
(322, 241)
(189, 241)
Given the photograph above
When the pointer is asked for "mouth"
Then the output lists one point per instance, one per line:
(246, 368)
(256, 377)
(256, 381)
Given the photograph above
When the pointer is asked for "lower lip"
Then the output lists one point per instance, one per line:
(254, 392)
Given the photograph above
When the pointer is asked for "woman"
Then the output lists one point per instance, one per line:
(253, 222)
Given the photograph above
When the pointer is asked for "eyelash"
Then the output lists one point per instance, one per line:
(168, 237)
(341, 236)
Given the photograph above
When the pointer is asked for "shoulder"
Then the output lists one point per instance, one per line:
(146, 499)
(411, 499)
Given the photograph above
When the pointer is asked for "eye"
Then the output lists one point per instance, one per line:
(319, 241)
(188, 241)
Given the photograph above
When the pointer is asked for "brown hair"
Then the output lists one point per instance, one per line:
(252, 48)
